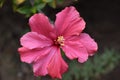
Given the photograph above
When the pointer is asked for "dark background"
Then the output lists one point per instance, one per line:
(103, 24)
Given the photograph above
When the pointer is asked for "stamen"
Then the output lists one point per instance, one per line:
(60, 41)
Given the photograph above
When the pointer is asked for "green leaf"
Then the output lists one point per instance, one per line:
(40, 6)
(47, 1)
(27, 10)
(18, 2)
(52, 4)
(59, 1)
(1, 2)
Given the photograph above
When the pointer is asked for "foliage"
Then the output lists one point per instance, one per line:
(29, 7)
(93, 68)
(1, 2)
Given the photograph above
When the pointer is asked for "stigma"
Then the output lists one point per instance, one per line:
(60, 41)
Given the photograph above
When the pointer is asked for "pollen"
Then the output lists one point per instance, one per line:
(60, 40)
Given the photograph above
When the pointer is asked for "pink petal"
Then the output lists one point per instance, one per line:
(39, 23)
(89, 43)
(69, 22)
(33, 40)
(41, 64)
(51, 64)
(27, 55)
(74, 49)
(31, 56)
(57, 66)
(38, 57)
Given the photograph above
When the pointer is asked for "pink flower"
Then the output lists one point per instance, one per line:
(42, 46)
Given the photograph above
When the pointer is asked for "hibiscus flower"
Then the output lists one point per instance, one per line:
(42, 46)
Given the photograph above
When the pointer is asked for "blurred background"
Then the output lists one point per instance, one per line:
(103, 24)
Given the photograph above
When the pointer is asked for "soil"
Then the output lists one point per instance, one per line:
(103, 24)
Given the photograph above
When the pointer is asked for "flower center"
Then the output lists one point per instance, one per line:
(60, 41)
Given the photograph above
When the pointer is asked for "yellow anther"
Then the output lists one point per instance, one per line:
(60, 40)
